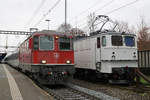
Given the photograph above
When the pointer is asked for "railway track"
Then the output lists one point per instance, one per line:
(74, 92)
(123, 92)
(140, 88)
(67, 93)
(135, 88)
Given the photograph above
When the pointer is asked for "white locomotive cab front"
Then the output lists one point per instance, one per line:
(118, 52)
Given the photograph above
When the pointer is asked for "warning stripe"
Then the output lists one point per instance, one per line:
(15, 92)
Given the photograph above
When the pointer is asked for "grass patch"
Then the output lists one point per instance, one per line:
(144, 81)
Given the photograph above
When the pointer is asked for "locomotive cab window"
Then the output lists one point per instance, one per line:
(129, 41)
(46, 42)
(98, 42)
(35, 43)
(65, 43)
(116, 40)
(104, 41)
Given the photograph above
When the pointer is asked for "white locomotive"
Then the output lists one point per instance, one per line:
(106, 54)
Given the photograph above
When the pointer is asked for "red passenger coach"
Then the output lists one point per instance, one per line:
(48, 56)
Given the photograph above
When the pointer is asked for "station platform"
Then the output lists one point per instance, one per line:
(16, 86)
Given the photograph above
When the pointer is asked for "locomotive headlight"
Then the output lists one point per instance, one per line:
(68, 62)
(43, 61)
(56, 37)
(98, 66)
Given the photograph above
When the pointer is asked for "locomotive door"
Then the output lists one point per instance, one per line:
(98, 54)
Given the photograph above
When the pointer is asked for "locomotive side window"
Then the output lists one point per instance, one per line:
(116, 41)
(98, 42)
(65, 43)
(46, 43)
(104, 41)
(129, 41)
(35, 43)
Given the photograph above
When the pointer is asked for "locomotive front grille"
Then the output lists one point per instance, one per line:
(57, 77)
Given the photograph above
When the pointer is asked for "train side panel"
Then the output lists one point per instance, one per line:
(85, 56)
(25, 55)
(144, 61)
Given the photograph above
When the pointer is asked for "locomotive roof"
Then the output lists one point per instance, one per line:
(118, 33)
(51, 32)
(94, 34)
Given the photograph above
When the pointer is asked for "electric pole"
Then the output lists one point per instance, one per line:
(65, 16)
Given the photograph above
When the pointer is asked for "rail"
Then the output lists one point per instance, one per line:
(140, 74)
(66, 93)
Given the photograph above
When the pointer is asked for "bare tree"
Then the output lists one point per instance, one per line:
(143, 35)
(76, 31)
(123, 26)
(90, 22)
(143, 31)
(63, 28)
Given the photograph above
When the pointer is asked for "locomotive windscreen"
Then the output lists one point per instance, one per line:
(117, 40)
(46, 43)
(129, 41)
(65, 43)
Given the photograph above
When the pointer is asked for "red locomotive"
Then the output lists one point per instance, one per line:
(48, 56)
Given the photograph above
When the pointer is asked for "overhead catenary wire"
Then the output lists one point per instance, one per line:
(105, 5)
(84, 11)
(44, 15)
(96, 3)
(116, 9)
(126, 5)
(102, 7)
(36, 12)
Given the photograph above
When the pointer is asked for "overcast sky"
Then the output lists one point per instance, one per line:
(17, 14)
(20, 15)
